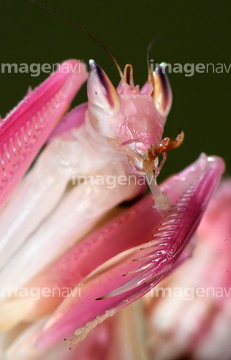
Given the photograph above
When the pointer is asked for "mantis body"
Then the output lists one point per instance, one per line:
(46, 220)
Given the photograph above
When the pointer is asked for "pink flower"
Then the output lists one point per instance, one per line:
(52, 236)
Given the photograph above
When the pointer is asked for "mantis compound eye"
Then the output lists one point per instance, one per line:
(162, 90)
(101, 93)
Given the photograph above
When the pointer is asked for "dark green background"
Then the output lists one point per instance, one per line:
(191, 32)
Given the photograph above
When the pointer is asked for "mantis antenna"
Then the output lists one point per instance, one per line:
(149, 47)
(55, 12)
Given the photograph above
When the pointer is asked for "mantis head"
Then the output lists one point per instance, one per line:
(132, 119)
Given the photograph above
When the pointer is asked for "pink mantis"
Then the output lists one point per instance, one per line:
(47, 223)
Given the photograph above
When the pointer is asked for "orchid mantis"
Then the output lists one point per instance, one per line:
(47, 223)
